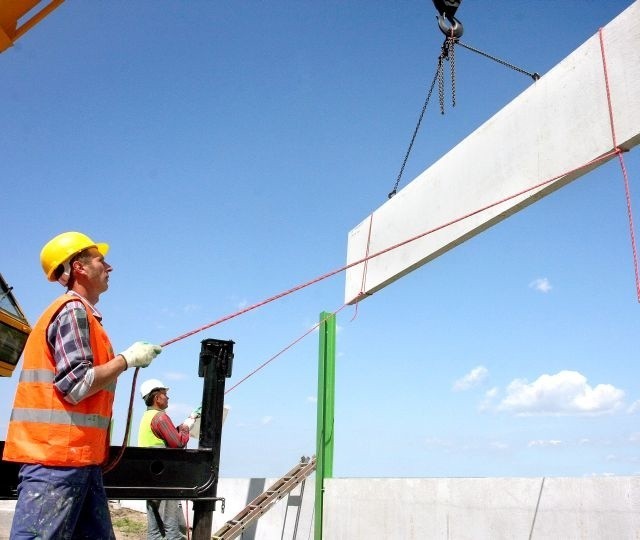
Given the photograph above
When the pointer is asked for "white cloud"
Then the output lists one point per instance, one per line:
(541, 285)
(491, 393)
(436, 442)
(499, 445)
(565, 393)
(543, 443)
(634, 407)
(489, 396)
(266, 420)
(175, 376)
(471, 379)
(634, 437)
(312, 399)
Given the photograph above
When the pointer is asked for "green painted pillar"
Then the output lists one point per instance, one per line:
(326, 399)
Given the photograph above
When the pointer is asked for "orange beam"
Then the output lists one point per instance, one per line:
(12, 11)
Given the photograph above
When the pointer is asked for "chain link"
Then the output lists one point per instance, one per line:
(452, 62)
(448, 53)
(415, 131)
(445, 53)
(441, 84)
(535, 76)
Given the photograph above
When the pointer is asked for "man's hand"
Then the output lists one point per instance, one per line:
(140, 354)
(189, 422)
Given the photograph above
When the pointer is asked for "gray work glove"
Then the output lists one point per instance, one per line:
(140, 354)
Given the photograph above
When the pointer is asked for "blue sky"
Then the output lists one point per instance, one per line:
(225, 150)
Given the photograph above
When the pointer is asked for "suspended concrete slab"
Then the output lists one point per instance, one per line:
(541, 141)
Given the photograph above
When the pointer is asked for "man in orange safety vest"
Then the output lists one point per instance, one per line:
(60, 420)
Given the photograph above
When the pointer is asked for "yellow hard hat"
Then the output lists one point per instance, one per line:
(63, 247)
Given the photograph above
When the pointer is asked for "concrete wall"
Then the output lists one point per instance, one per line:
(483, 508)
(600, 508)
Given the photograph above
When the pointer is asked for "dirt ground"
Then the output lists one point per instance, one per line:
(128, 524)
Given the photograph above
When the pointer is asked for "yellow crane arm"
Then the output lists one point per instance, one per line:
(12, 13)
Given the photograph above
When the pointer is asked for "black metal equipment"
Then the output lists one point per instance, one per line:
(170, 473)
(216, 362)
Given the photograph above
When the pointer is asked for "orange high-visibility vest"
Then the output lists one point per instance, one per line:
(46, 429)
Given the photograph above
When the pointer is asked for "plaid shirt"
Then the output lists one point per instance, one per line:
(68, 338)
(163, 428)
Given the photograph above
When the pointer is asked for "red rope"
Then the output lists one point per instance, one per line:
(297, 340)
(619, 152)
(109, 466)
(368, 256)
(364, 270)
(616, 151)
(631, 226)
(606, 84)
(383, 251)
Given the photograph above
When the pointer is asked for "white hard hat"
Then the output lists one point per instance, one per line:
(149, 386)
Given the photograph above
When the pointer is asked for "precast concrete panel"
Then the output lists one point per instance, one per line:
(559, 124)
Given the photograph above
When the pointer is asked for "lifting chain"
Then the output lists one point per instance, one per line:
(535, 76)
(452, 29)
(445, 53)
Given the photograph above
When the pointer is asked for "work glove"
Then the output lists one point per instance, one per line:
(191, 420)
(140, 354)
(189, 423)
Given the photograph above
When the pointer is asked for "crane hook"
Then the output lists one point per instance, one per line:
(449, 25)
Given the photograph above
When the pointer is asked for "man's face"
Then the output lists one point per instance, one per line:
(95, 270)
(162, 400)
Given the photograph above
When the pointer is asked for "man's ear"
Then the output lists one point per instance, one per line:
(78, 268)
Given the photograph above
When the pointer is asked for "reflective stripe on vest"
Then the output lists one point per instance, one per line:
(44, 427)
(60, 417)
(36, 375)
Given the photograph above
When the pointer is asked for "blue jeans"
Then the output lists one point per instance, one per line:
(61, 503)
(165, 520)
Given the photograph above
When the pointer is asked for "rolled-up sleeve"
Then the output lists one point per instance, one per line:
(68, 337)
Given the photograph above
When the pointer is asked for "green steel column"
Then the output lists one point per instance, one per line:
(326, 398)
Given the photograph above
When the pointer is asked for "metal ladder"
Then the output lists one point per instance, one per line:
(262, 503)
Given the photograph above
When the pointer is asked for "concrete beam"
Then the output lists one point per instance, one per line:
(560, 123)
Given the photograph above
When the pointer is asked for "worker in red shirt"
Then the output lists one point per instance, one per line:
(165, 518)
